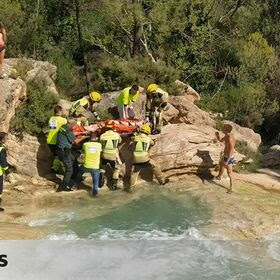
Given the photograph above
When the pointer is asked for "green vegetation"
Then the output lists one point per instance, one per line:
(219, 124)
(110, 73)
(33, 116)
(22, 67)
(227, 50)
(253, 157)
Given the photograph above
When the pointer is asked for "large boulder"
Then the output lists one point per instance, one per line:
(170, 114)
(12, 94)
(29, 155)
(32, 70)
(183, 148)
(248, 135)
(189, 92)
(65, 104)
(13, 89)
(187, 112)
(21, 65)
(272, 158)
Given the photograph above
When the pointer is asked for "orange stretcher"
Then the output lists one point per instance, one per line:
(123, 127)
(78, 128)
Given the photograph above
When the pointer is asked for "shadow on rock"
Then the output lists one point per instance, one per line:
(44, 157)
(203, 170)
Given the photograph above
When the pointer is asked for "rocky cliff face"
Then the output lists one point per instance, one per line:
(29, 155)
(26, 153)
(186, 144)
(32, 70)
(12, 94)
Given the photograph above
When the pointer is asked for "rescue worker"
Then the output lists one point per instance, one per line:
(125, 102)
(157, 100)
(110, 155)
(3, 164)
(91, 162)
(55, 123)
(82, 106)
(141, 158)
(65, 139)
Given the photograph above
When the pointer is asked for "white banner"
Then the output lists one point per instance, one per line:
(141, 259)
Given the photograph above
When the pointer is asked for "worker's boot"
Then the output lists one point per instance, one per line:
(163, 181)
(1, 209)
(114, 184)
(101, 178)
(156, 131)
(63, 188)
(60, 188)
(128, 189)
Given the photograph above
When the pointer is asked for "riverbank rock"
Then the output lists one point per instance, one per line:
(29, 155)
(183, 148)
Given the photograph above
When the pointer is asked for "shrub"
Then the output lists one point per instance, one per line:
(33, 116)
(219, 125)
(258, 58)
(114, 73)
(246, 105)
(22, 67)
(69, 81)
(243, 148)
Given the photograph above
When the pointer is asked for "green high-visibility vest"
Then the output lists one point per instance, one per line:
(92, 152)
(125, 98)
(142, 145)
(110, 141)
(2, 169)
(55, 123)
(164, 93)
(84, 102)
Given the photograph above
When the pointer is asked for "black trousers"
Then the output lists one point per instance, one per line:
(70, 164)
(53, 149)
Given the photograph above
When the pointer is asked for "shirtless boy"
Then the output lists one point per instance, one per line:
(228, 157)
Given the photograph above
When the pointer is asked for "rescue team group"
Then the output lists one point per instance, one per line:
(100, 146)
